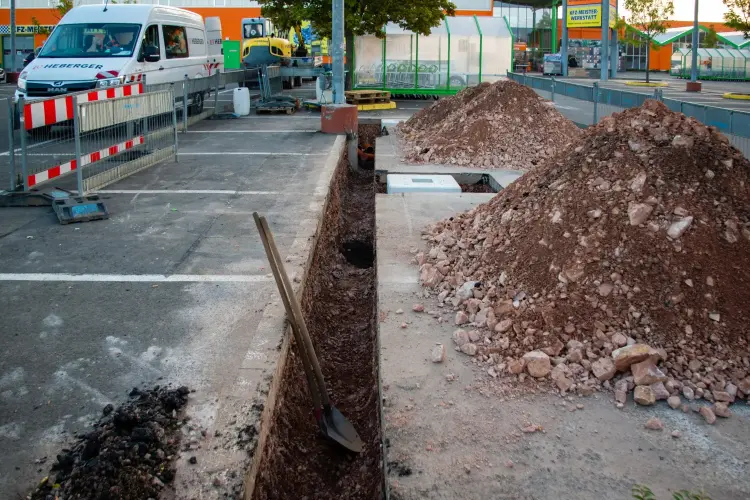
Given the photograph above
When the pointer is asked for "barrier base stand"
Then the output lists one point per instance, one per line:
(79, 209)
(31, 198)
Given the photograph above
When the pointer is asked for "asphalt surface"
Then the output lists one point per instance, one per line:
(710, 95)
(171, 288)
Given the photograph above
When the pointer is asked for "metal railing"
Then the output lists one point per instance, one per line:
(591, 103)
(51, 137)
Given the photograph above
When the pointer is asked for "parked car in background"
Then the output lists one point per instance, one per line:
(3, 77)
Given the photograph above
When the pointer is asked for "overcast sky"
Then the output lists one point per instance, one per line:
(708, 10)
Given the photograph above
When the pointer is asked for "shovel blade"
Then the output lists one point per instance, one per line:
(337, 428)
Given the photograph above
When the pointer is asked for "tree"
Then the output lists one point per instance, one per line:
(360, 17)
(711, 40)
(738, 17)
(58, 11)
(649, 16)
(545, 22)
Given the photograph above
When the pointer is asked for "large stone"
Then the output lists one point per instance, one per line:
(660, 391)
(619, 340)
(430, 276)
(643, 395)
(679, 226)
(469, 348)
(744, 385)
(559, 376)
(460, 337)
(688, 393)
(504, 325)
(621, 391)
(722, 410)
(461, 318)
(537, 364)
(503, 307)
(654, 424)
(603, 369)
(554, 349)
(481, 318)
(515, 366)
(638, 213)
(466, 291)
(674, 402)
(723, 396)
(646, 373)
(575, 356)
(438, 354)
(626, 356)
(708, 414)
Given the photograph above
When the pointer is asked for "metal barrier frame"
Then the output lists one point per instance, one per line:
(733, 123)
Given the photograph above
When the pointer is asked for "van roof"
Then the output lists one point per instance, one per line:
(127, 13)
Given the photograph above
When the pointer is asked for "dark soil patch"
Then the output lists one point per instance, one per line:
(339, 304)
(128, 455)
(358, 253)
(476, 188)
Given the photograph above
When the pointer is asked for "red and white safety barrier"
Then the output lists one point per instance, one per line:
(87, 159)
(51, 111)
(135, 78)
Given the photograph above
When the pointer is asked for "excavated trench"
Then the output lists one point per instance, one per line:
(340, 307)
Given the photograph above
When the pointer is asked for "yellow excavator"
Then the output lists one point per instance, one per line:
(261, 44)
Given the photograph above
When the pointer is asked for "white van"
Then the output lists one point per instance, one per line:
(96, 46)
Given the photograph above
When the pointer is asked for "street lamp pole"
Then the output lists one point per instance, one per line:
(13, 36)
(694, 67)
(694, 85)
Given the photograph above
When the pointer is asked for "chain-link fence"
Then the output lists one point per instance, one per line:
(588, 104)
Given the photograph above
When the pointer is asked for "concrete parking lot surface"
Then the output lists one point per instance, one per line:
(174, 287)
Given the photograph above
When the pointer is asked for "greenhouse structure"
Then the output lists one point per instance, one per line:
(713, 64)
(460, 52)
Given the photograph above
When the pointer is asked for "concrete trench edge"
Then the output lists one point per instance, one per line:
(304, 241)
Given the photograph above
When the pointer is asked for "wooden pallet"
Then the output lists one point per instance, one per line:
(368, 100)
(367, 94)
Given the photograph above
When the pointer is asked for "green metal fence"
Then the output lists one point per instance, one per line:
(713, 64)
(460, 52)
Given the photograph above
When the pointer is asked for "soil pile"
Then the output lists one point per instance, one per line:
(128, 455)
(492, 125)
(630, 249)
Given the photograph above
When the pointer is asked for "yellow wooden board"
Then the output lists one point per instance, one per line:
(377, 106)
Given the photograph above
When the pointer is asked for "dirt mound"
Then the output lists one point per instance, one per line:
(127, 456)
(492, 125)
(638, 233)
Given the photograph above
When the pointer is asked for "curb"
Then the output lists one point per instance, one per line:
(649, 84)
(736, 96)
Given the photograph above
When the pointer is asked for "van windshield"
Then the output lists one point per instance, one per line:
(92, 40)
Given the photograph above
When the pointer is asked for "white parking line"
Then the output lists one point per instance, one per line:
(186, 191)
(18, 150)
(303, 131)
(246, 153)
(137, 278)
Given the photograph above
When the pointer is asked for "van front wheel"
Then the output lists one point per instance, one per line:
(197, 107)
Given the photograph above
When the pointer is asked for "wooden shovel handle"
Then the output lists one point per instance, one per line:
(294, 322)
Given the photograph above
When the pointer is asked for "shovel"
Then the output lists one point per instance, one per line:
(332, 423)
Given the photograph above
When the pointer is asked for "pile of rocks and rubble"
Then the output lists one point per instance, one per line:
(128, 455)
(621, 263)
(492, 125)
